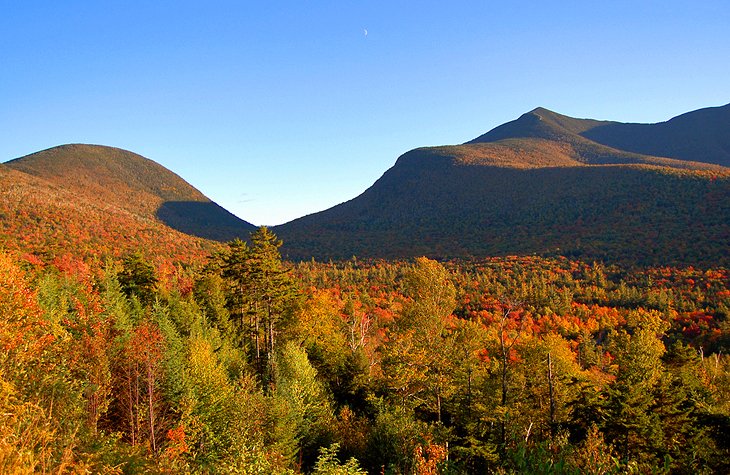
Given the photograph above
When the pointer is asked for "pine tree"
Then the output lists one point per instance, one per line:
(138, 278)
(261, 296)
(632, 423)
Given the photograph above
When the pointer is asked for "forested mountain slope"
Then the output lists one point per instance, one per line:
(91, 200)
(49, 221)
(103, 200)
(113, 177)
(533, 185)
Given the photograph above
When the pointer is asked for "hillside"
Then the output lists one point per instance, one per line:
(111, 177)
(39, 218)
(534, 185)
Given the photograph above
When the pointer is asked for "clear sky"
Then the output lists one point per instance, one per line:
(277, 109)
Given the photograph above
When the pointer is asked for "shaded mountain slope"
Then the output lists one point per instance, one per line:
(534, 185)
(702, 135)
(699, 136)
(114, 177)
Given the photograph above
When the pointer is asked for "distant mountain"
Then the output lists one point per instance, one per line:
(700, 136)
(131, 182)
(96, 200)
(544, 184)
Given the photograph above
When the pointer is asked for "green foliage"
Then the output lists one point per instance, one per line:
(209, 292)
(208, 399)
(393, 440)
(327, 463)
(308, 404)
(137, 278)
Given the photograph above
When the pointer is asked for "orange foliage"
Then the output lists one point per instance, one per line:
(428, 458)
(23, 333)
(178, 445)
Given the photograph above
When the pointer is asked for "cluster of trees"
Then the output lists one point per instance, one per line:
(253, 365)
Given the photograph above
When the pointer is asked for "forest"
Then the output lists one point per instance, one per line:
(242, 362)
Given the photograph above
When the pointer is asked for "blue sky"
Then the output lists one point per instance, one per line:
(278, 109)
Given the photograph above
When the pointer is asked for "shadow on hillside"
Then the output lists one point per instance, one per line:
(702, 142)
(203, 219)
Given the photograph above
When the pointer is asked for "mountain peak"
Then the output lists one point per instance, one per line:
(702, 135)
(540, 123)
(542, 184)
(540, 111)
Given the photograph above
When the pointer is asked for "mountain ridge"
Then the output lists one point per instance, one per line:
(544, 183)
(703, 132)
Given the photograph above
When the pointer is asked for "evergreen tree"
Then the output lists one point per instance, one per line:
(261, 296)
(632, 423)
(138, 278)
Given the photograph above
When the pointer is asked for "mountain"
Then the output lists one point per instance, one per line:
(104, 200)
(542, 184)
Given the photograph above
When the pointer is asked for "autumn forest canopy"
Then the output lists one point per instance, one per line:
(248, 364)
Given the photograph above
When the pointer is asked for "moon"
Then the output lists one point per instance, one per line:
(365, 31)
